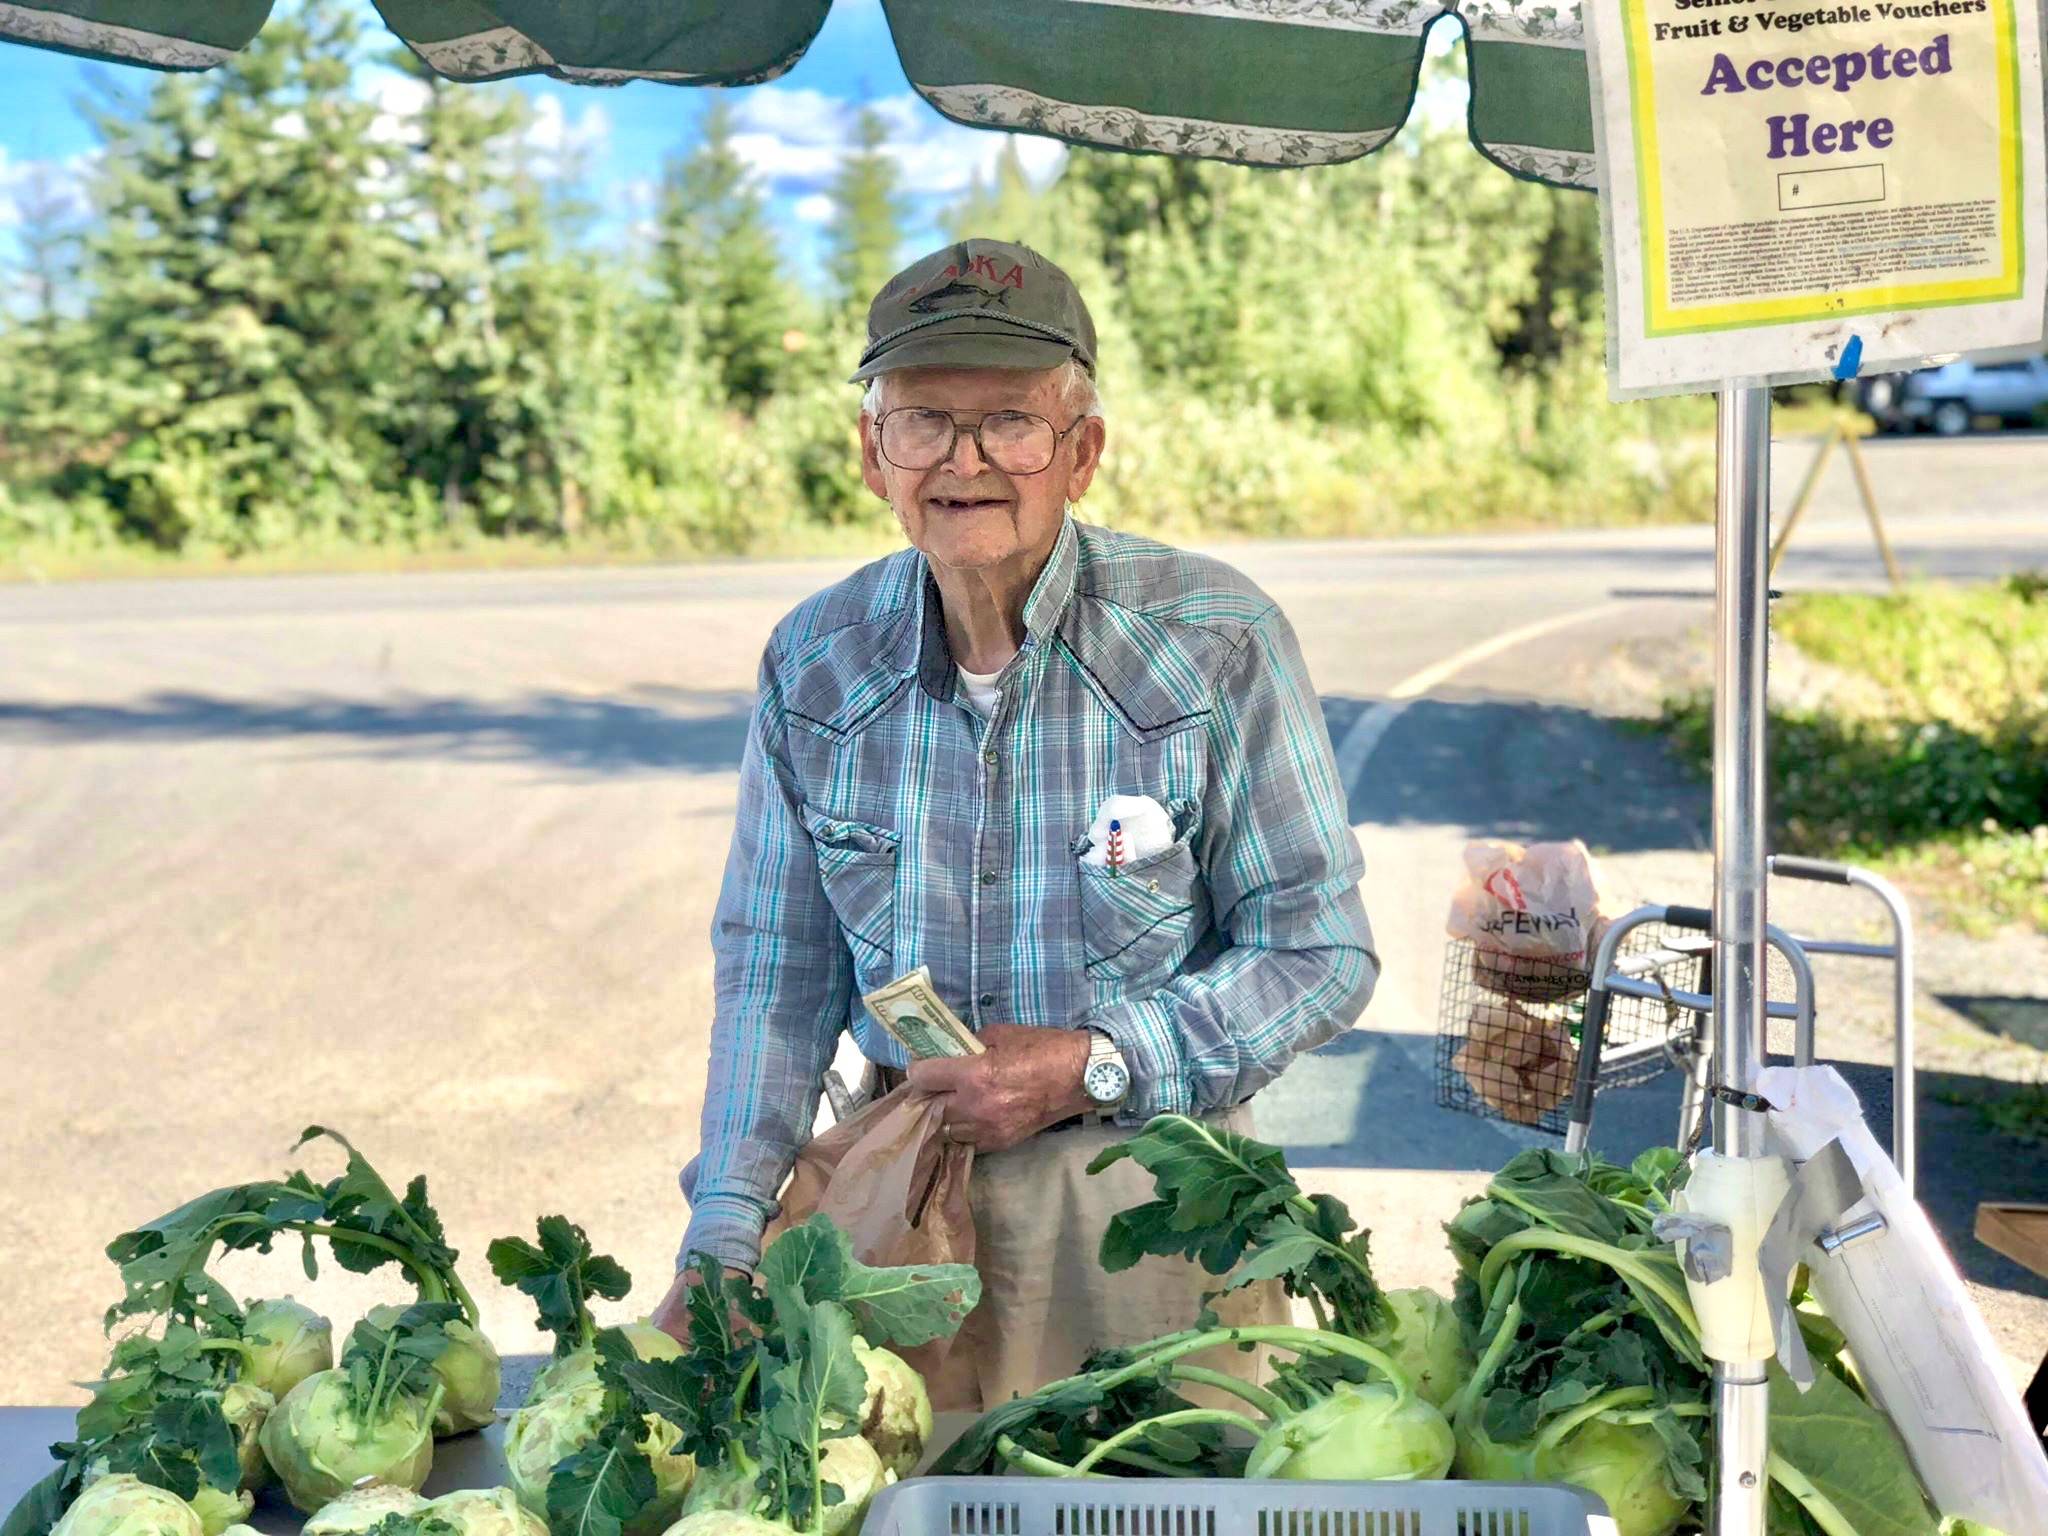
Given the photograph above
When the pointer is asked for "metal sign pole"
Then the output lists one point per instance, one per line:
(1742, 621)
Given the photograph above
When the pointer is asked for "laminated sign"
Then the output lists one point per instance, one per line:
(1793, 190)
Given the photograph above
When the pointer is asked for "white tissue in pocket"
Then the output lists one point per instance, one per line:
(1143, 821)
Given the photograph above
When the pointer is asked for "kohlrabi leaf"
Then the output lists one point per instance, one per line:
(186, 1441)
(1555, 1190)
(603, 1486)
(1843, 1461)
(816, 1395)
(723, 1362)
(399, 1358)
(44, 1504)
(163, 1262)
(395, 1230)
(902, 1306)
(561, 1275)
(1224, 1199)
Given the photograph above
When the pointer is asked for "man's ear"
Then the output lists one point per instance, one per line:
(871, 458)
(1089, 439)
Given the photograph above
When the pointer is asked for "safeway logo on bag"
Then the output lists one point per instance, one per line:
(1512, 896)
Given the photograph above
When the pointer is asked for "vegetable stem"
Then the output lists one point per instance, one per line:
(1628, 1265)
(1482, 1373)
(1266, 1402)
(1140, 1460)
(1166, 1421)
(1031, 1462)
(1555, 1431)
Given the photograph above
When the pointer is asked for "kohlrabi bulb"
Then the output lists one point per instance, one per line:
(217, 1509)
(579, 1367)
(1425, 1341)
(1358, 1433)
(1624, 1465)
(121, 1504)
(468, 1370)
(319, 1446)
(286, 1343)
(726, 1487)
(674, 1471)
(487, 1512)
(545, 1432)
(896, 1415)
(361, 1508)
(851, 1463)
(245, 1407)
(1480, 1460)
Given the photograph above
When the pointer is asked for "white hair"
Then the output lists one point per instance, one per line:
(1077, 391)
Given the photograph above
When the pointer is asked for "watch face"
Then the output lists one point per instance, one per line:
(1106, 1081)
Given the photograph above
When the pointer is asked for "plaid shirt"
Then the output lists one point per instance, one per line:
(883, 824)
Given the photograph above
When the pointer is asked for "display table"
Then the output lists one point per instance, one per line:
(468, 1461)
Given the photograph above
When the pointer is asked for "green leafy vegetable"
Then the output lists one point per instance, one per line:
(1229, 1203)
(561, 1274)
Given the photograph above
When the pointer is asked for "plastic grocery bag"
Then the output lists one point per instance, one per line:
(893, 1183)
(1533, 914)
(1919, 1343)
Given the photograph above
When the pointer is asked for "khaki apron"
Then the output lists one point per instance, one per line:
(1046, 1303)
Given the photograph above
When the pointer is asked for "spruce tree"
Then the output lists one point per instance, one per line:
(238, 288)
(717, 257)
(865, 236)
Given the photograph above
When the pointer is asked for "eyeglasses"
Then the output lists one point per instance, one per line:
(1015, 442)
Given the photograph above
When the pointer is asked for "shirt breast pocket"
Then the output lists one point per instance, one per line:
(857, 867)
(1138, 922)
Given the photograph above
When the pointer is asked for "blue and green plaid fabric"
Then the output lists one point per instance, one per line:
(883, 824)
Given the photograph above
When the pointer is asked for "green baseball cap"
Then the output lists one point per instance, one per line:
(977, 304)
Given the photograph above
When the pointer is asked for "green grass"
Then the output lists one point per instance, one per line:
(1937, 767)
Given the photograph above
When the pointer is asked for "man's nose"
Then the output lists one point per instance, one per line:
(965, 459)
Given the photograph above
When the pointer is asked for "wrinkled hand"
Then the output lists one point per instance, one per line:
(672, 1313)
(1026, 1079)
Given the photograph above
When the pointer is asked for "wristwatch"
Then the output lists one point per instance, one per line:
(1106, 1080)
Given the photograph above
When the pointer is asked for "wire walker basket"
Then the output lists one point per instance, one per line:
(1035, 1506)
(1510, 1027)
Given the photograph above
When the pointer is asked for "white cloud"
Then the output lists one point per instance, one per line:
(792, 140)
(815, 209)
(54, 190)
(556, 139)
(795, 114)
(399, 99)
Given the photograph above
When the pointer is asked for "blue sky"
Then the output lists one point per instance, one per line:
(790, 131)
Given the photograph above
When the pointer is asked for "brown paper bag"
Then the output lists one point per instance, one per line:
(897, 1188)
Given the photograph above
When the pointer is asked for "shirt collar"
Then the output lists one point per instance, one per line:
(1043, 609)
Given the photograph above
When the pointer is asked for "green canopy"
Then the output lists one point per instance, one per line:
(1253, 82)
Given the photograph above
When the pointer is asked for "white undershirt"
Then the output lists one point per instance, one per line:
(981, 689)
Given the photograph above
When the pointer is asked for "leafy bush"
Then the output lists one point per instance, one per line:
(1946, 765)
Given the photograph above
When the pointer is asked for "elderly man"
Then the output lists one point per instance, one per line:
(924, 784)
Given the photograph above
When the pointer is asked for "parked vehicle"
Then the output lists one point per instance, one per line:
(1952, 398)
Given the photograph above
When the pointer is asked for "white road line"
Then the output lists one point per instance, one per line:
(1371, 727)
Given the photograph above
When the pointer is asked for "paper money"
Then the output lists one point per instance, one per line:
(910, 1010)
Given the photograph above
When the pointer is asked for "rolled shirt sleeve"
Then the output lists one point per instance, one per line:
(783, 980)
(1283, 870)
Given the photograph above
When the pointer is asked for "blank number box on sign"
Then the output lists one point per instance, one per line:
(1830, 188)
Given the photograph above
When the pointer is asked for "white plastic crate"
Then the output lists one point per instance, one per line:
(1167, 1506)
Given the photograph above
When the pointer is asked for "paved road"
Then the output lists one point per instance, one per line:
(432, 859)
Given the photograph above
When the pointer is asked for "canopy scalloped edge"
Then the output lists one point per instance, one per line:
(1249, 82)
